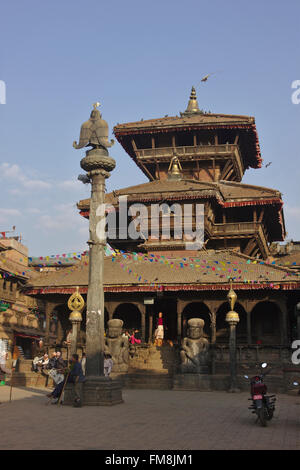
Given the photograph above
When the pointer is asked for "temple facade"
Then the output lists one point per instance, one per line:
(197, 159)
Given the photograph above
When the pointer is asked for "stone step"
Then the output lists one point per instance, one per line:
(149, 381)
(30, 379)
(25, 366)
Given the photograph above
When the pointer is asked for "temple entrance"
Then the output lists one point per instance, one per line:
(265, 323)
(130, 315)
(168, 307)
(26, 344)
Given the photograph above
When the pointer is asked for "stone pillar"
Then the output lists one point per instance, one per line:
(73, 347)
(150, 339)
(179, 325)
(98, 389)
(232, 355)
(48, 310)
(76, 305)
(232, 319)
(283, 322)
(49, 307)
(180, 307)
(143, 322)
(249, 305)
(95, 296)
(249, 334)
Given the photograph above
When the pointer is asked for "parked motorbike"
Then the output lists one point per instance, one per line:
(263, 405)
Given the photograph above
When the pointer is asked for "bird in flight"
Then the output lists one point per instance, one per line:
(204, 79)
(268, 164)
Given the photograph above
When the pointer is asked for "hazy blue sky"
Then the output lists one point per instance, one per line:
(139, 59)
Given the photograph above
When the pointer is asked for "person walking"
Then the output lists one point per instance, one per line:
(76, 377)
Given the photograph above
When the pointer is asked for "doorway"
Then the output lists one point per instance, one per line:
(168, 307)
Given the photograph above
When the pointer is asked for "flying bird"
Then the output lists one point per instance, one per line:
(268, 164)
(204, 79)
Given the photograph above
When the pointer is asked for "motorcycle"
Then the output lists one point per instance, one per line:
(262, 405)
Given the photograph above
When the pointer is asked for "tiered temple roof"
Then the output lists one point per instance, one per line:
(210, 270)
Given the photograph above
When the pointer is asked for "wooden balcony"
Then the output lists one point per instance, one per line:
(195, 152)
(241, 230)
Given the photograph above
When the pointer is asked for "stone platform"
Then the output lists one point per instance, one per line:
(201, 382)
(96, 391)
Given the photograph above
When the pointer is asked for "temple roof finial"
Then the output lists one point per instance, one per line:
(193, 107)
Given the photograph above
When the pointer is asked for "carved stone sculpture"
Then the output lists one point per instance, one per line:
(94, 132)
(117, 345)
(194, 350)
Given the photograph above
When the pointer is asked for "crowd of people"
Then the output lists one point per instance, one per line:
(62, 372)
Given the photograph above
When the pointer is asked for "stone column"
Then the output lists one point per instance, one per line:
(98, 389)
(249, 334)
(48, 310)
(143, 322)
(76, 305)
(180, 307)
(283, 322)
(49, 307)
(150, 325)
(232, 319)
(95, 297)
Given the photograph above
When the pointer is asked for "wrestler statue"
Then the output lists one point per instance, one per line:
(194, 349)
(117, 345)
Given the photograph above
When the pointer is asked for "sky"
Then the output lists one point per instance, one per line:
(139, 60)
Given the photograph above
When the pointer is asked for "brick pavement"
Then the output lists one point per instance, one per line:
(149, 419)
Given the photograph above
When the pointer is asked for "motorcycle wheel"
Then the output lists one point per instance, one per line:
(262, 415)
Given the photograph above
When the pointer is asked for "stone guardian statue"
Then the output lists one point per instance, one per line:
(117, 345)
(194, 349)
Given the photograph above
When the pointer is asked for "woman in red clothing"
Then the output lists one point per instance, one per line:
(159, 332)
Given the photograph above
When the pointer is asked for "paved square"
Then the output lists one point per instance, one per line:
(148, 419)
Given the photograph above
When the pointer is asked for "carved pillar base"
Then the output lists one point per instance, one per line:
(96, 391)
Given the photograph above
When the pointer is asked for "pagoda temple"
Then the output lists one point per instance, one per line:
(197, 158)
(213, 152)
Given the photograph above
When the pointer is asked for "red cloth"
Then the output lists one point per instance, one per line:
(133, 340)
(160, 321)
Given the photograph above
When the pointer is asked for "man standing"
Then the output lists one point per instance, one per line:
(76, 377)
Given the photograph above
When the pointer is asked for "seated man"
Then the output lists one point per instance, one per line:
(60, 363)
(40, 362)
(52, 361)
